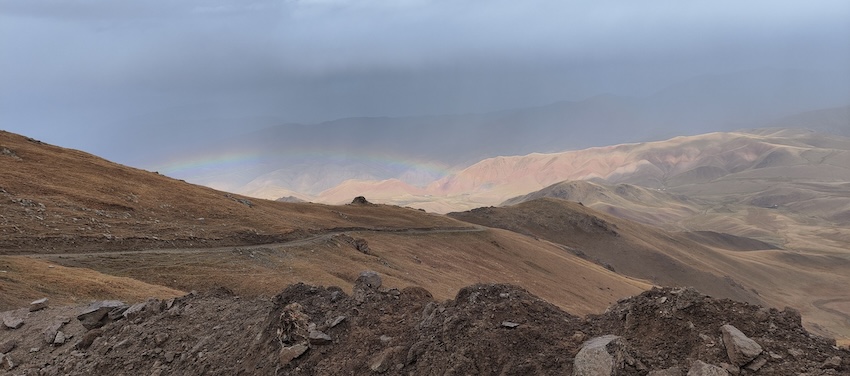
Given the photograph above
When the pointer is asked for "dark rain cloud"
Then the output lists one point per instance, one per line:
(78, 72)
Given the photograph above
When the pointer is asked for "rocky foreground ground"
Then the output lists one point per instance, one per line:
(488, 329)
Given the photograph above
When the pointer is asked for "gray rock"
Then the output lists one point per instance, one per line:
(832, 363)
(290, 353)
(509, 324)
(38, 304)
(59, 339)
(12, 322)
(53, 330)
(598, 356)
(336, 321)
(144, 309)
(731, 368)
(7, 362)
(89, 338)
(96, 314)
(318, 338)
(672, 371)
(700, 368)
(739, 348)
(7, 346)
(368, 280)
(384, 360)
(756, 364)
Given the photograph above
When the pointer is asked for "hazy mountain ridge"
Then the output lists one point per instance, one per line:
(290, 156)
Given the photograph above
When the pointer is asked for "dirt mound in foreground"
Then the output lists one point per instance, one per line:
(487, 329)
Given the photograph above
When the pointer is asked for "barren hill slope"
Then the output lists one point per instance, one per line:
(629, 248)
(813, 281)
(55, 199)
(66, 210)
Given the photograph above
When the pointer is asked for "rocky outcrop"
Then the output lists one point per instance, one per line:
(99, 313)
(486, 329)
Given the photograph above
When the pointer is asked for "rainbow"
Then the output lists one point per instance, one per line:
(211, 163)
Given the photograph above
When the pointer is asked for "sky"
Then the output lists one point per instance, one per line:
(99, 74)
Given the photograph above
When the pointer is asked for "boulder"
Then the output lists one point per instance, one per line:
(700, 368)
(96, 314)
(739, 348)
(368, 280)
(38, 305)
(599, 356)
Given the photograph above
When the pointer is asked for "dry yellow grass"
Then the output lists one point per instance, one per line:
(24, 279)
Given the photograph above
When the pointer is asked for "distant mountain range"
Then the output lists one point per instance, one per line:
(311, 158)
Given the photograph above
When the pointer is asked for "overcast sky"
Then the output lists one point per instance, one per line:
(80, 72)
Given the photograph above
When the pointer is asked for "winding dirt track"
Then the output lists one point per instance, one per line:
(293, 243)
(821, 305)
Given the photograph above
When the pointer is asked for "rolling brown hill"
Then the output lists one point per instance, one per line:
(813, 281)
(144, 234)
(629, 248)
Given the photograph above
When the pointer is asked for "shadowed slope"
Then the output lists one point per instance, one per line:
(626, 247)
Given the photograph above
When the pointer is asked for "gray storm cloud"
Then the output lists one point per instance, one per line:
(77, 72)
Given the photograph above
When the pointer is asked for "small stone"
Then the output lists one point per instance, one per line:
(385, 339)
(160, 338)
(34, 349)
(38, 305)
(672, 371)
(7, 362)
(59, 339)
(336, 321)
(52, 331)
(832, 363)
(732, 369)
(319, 338)
(290, 353)
(89, 338)
(797, 353)
(756, 364)
(662, 300)
(7, 346)
(774, 355)
(12, 322)
(700, 368)
(579, 336)
(504, 295)
(169, 356)
(382, 362)
(509, 324)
